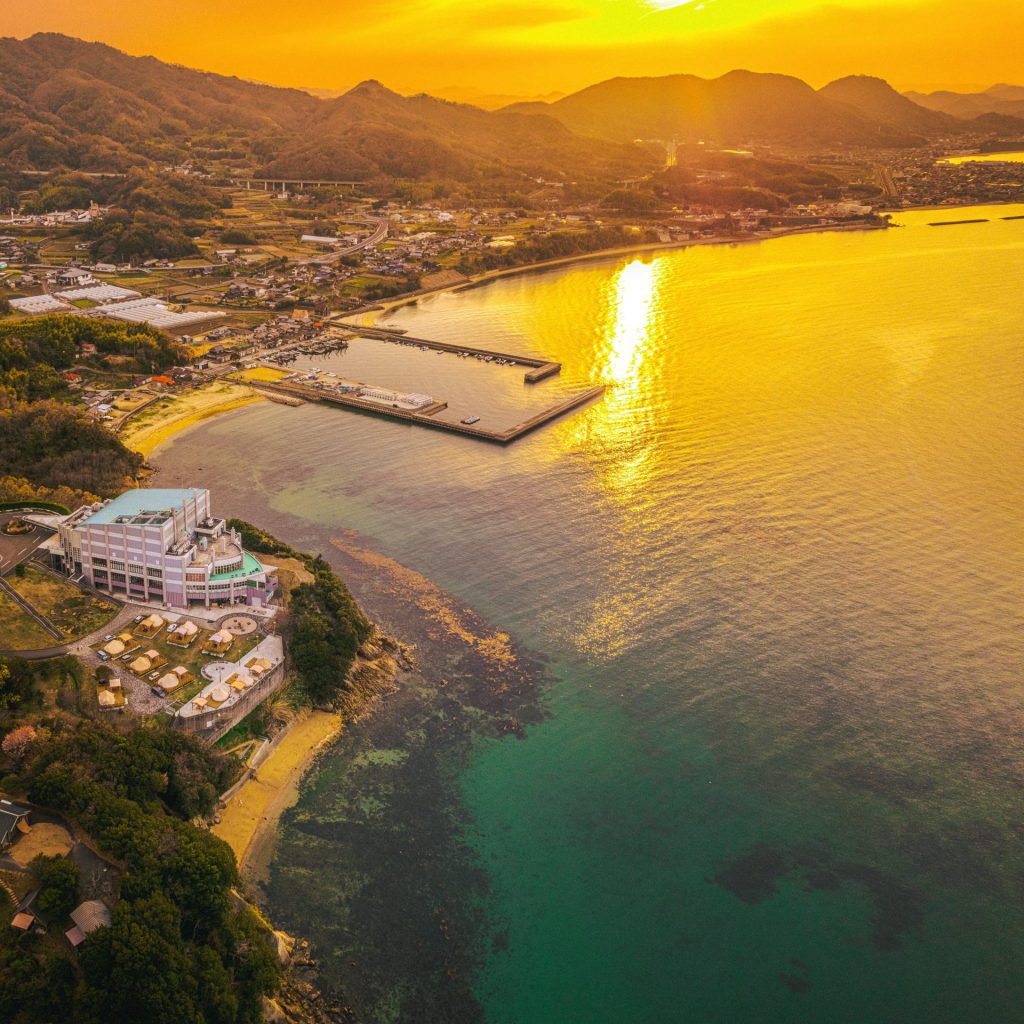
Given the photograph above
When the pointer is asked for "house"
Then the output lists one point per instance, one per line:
(13, 822)
(74, 277)
(87, 917)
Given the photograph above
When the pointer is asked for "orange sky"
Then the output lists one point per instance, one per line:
(523, 47)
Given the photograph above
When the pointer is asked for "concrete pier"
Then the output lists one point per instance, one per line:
(540, 370)
(426, 417)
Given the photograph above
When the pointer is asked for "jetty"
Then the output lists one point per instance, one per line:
(427, 416)
(539, 369)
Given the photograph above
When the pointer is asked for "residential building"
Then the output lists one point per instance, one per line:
(86, 918)
(13, 821)
(164, 547)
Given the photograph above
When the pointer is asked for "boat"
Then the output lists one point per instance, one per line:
(470, 420)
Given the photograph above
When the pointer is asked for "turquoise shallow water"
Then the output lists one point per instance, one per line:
(776, 575)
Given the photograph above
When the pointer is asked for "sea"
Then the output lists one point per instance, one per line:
(769, 592)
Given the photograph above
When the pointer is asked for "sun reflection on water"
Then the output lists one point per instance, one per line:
(627, 359)
(619, 436)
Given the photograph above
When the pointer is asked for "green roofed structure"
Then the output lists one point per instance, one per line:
(163, 546)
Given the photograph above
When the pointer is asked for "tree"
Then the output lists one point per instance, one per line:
(57, 881)
(18, 742)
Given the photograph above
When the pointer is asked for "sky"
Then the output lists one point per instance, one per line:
(463, 48)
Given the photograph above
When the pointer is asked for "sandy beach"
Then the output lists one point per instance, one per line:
(145, 432)
(248, 822)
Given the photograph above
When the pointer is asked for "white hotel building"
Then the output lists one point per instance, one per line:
(163, 547)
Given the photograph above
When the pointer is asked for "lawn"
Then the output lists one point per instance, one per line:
(73, 612)
(18, 630)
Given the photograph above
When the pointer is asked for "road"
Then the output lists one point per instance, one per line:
(380, 232)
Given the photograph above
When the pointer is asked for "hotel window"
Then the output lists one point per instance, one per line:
(99, 562)
(137, 581)
(135, 568)
(155, 573)
(118, 577)
(117, 565)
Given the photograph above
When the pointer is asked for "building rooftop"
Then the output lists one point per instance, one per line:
(136, 504)
(250, 566)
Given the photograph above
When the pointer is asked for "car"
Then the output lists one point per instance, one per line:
(153, 675)
(138, 618)
(171, 627)
(157, 691)
(108, 638)
(103, 656)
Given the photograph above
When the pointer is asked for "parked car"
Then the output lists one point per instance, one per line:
(108, 638)
(138, 618)
(103, 656)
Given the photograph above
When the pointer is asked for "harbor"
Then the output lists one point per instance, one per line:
(338, 383)
(539, 369)
(350, 396)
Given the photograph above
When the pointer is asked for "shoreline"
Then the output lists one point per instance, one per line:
(252, 810)
(171, 426)
(184, 412)
(380, 309)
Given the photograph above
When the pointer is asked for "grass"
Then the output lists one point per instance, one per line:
(264, 373)
(290, 573)
(18, 630)
(252, 727)
(73, 612)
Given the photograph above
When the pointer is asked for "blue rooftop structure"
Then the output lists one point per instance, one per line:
(137, 502)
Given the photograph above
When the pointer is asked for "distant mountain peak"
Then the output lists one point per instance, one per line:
(371, 87)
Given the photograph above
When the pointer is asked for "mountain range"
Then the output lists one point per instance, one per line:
(65, 102)
(1004, 100)
(744, 107)
(91, 107)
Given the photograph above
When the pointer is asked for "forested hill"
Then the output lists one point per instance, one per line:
(744, 107)
(64, 102)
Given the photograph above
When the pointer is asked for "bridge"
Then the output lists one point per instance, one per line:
(283, 184)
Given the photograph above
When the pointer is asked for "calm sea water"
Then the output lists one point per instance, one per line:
(778, 573)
